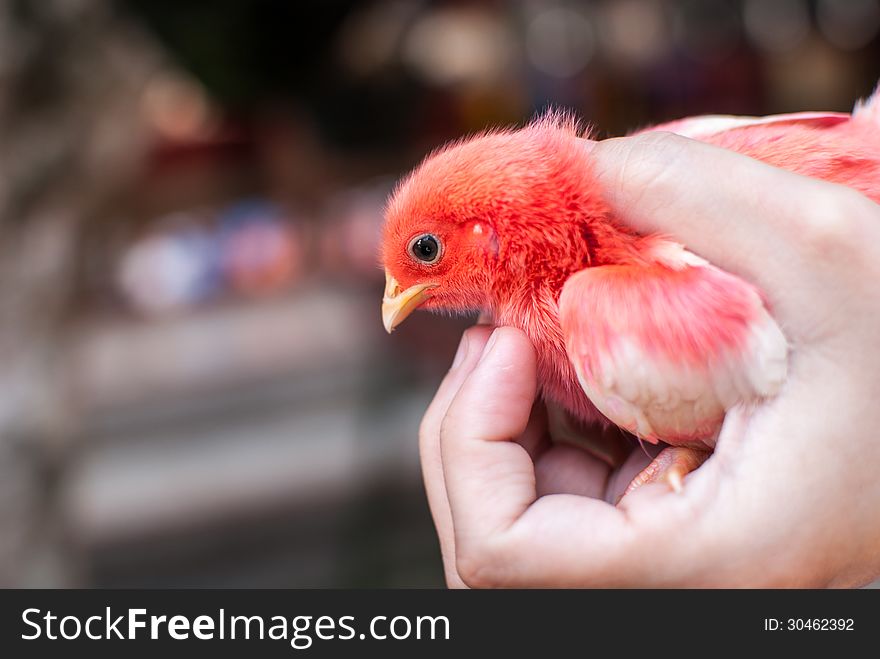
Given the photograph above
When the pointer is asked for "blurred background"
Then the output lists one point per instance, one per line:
(195, 387)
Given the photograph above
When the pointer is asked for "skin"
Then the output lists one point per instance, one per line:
(791, 495)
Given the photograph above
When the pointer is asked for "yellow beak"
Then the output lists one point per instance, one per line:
(397, 304)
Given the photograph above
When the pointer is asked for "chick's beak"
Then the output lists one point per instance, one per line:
(398, 304)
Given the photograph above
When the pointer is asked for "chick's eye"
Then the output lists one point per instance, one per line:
(425, 248)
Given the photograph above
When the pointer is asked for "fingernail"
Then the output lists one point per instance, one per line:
(490, 345)
(485, 318)
(462, 351)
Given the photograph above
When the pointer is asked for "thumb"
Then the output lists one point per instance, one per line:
(739, 213)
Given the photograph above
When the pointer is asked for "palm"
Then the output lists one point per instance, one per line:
(562, 468)
(790, 495)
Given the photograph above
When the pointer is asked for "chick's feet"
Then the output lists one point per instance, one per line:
(670, 466)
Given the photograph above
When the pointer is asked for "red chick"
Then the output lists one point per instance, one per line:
(629, 328)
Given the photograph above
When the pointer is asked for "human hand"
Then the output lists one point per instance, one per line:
(791, 495)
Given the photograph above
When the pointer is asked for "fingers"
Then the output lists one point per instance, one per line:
(469, 351)
(481, 474)
(490, 480)
(565, 469)
(741, 214)
(535, 439)
(501, 535)
(497, 532)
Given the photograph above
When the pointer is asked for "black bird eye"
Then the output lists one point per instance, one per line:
(425, 248)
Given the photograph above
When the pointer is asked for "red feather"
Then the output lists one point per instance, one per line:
(520, 213)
